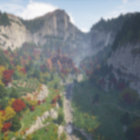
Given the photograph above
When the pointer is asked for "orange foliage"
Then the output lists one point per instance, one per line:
(2, 112)
(59, 65)
(50, 65)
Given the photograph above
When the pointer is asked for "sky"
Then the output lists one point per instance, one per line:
(83, 13)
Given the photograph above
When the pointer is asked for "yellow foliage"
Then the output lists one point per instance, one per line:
(1, 120)
(9, 113)
(2, 69)
(5, 138)
(18, 67)
(32, 102)
(1, 83)
(29, 137)
(16, 134)
(10, 102)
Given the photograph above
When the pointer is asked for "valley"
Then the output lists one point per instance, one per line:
(59, 83)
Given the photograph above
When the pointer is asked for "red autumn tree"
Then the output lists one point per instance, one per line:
(32, 108)
(49, 62)
(55, 99)
(23, 70)
(18, 105)
(7, 76)
(6, 126)
(39, 102)
(129, 96)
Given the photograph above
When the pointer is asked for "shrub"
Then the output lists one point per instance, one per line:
(129, 96)
(6, 126)
(9, 113)
(18, 105)
(60, 118)
(15, 124)
(4, 20)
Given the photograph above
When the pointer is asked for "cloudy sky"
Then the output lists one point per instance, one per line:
(83, 13)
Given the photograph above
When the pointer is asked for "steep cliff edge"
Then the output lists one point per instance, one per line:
(53, 30)
(115, 43)
(13, 33)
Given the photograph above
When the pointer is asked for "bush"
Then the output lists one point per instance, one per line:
(129, 96)
(60, 118)
(133, 131)
(18, 105)
(2, 92)
(15, 124)
(4, 20)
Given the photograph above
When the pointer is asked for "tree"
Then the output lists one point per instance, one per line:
(1, 120)
(13, 93)
(2, 69)
(7, 76)
(133, 132)
(9, 113)
(10, 102)
(4, 20)
(36, 74)
(2, 92)
(16, 125)
(125, 119)
(3, 103)
(18, 105)
(129, 96)
(50, 65)
(60, 118)
(6, 126)
(21, 69)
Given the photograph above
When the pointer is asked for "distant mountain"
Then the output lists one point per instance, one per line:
(117, 39)
(111, 90)
(53, 30)
(116, 43)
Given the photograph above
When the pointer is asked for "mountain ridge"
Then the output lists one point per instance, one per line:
(53, 29)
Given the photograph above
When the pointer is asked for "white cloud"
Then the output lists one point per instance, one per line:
(31, 10)
(125, 1)
(35, 9)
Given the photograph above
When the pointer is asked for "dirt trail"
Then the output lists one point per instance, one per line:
(68, 113)
(69, 117)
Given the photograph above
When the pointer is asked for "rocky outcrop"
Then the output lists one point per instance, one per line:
(14, 35)
(126, 59)
(100, 40)
(39, 123)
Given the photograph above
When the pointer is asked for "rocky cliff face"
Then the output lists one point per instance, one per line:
(121, 37)
(126, 59)
(13, 35)
(53, 30)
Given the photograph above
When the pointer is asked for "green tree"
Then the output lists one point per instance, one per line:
(2, 92)
(16, 125)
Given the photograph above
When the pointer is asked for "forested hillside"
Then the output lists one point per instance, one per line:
(58, 83)
(31, 87)
(106, 104)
